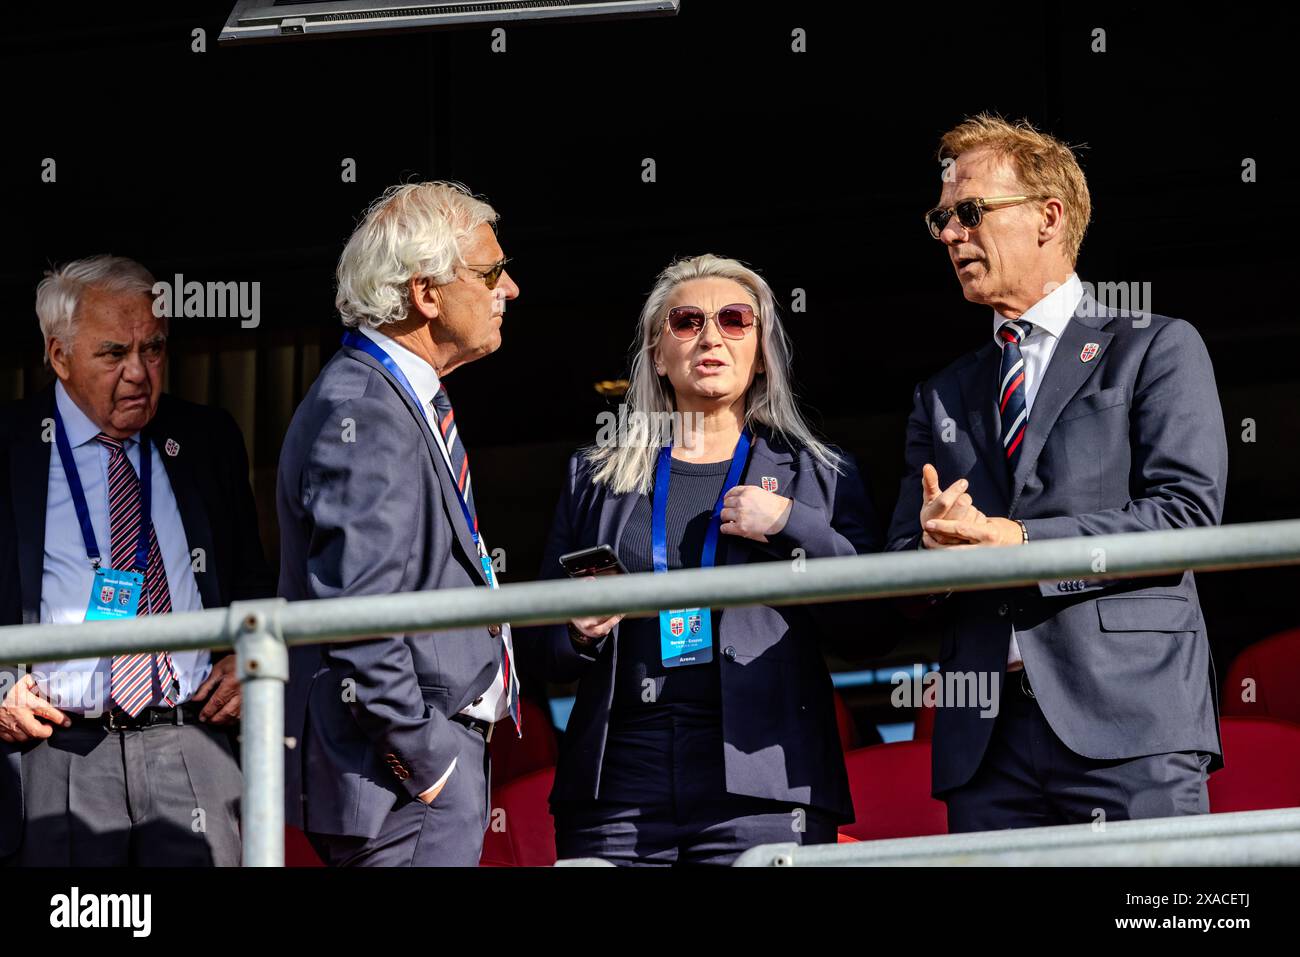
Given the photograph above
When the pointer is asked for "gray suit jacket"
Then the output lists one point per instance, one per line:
(367, 507)
(1130, 440)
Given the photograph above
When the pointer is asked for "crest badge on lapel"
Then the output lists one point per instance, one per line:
(172, 447)
(1089, 352)
(769, 483)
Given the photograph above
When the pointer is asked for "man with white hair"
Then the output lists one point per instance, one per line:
(120, 500)
(375, 498)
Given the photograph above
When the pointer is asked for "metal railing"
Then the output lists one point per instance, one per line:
(260, 631)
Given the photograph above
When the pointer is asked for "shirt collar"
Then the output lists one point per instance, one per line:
(76, 424)
(422, 376)
(1052, 313)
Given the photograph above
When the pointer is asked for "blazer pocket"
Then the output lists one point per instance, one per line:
(434, 691)
(1096, 402)
(1147, 613)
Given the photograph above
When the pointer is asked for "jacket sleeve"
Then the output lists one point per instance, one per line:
(253, 576)
(553, 652)
(904, 528)
(850, 528)
(359, 496)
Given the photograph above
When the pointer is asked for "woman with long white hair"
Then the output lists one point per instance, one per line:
(700, 732)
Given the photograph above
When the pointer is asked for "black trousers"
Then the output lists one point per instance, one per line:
(663, 801)
(1029, 778)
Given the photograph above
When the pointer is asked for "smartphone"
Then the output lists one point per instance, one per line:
(600, 560)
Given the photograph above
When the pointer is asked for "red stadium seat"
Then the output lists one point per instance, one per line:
(1261, 765)
(849, 737)
(297, 851)
(890, 784)
(1273, 665)
(521, 832)
(924, 725)
(513, 756)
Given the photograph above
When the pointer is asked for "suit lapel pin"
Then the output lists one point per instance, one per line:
(769, 483)
(172, 447)
(1089, 352)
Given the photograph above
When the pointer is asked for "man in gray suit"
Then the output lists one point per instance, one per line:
(375, 498)
(1073, 419)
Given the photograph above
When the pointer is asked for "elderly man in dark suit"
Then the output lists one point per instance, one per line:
(1073, 419)
(375, 497)
(114, 488)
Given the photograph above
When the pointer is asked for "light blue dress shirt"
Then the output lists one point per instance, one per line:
(81, 686)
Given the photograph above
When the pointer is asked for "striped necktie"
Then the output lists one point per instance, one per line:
(130, 677)
(455, 449)
(1012, 405)
(460, 469)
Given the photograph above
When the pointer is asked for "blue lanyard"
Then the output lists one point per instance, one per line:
(659, 520)
(79, 496)
(367, 345)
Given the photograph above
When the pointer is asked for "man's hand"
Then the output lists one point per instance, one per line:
(223, 687)
(23, 713)
(755, 513)
(952, 504)
(428, 795)
(991, 531)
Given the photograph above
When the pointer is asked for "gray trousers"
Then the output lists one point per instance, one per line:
(446, 833)
(164, 796)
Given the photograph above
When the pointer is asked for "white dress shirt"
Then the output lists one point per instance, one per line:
(493, 702)
(1050, 315)
(82, 686)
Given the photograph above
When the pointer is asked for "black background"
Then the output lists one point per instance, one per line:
(814, 168)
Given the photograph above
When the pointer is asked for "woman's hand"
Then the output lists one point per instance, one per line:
(755, 513)
(598, 626)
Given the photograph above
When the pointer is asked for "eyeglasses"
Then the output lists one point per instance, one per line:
(686, 322)
(492, 274)
(970, 212)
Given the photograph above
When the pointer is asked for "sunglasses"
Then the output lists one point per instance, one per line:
(686, 322)
(970, 212)
(492, 274)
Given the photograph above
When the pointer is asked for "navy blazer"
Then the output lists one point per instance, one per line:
(209, 479)
(778, 712)
(367, 506)
(1127, 440)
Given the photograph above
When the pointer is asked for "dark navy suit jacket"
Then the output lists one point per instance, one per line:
(778, 712)
(1128, 441)
(209, 478)
(376, 515)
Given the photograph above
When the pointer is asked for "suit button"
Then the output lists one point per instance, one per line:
(730, 652)
(494, 631)
(477, 701)
(1003, 609)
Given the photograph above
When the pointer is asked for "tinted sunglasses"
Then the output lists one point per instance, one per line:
(492, 274)
(686, 322)
(970, 212)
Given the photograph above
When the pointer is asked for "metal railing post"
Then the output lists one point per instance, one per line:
(263, 665)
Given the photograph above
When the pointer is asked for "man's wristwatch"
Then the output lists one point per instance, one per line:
(1024, 532)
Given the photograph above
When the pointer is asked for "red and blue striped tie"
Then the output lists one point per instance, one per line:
(1012, 405)
(130, 678)
(455, 449)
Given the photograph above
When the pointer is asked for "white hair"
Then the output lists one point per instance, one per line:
(629, 466)
(411, 230)
(59, 294)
